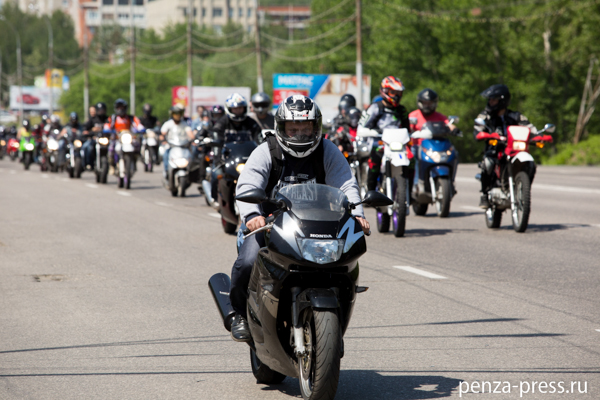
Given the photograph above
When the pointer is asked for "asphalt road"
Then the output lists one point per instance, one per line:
(103, 295)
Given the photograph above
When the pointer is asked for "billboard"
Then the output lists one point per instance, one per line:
(206, 95)
(34, 98)
(325, 89)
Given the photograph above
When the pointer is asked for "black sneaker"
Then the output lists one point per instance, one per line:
(240, 332)
(484, 202)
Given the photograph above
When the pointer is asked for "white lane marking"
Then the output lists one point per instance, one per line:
(91, 185)
(215, 215)
(465, 179)
(123, 193)
(472, 208)
(65, 179)
(597, 330)
(45, 176)
(12, 171)
(570, 189)
(417, 271)
(160, 203)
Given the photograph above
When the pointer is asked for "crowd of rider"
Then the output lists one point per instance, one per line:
(386, 111)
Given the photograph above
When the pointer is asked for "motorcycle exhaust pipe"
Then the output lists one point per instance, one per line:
(219, 285)
(206, 187)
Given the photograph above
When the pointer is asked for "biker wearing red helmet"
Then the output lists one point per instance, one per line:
(387, 113)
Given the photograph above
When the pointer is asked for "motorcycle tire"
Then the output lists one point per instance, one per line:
(319, 370)
(181, 188)
(262, 373)
(128, 171)
(399, 208)
(520, 216)
(443, 186)
(71, 173)
(13, 157)
(420, 208)
(147, 160)
(383, 221)
(103, 173)
(78, 168)
(493, 218)
(228, 228)
(27, 160)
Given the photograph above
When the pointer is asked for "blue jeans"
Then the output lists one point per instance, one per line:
(166, 160)
(242, 268)
(89, 152)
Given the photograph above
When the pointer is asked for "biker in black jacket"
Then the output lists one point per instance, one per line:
(497, 118)
(235, 120)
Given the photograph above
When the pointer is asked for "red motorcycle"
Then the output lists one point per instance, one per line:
(514, 172)
(12, 148)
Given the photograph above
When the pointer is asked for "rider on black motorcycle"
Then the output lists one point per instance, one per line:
(387, 113)
(92, 128)
(297, 154)
(497, 117)
(261, 103)
(148, 120)
(235, 120)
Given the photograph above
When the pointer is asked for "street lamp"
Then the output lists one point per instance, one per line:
(19, 66)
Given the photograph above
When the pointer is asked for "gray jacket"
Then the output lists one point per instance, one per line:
(258, 168)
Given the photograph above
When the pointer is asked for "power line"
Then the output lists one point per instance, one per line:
(161, 45)
(315, 57)
(217, 37)
(110, 76)
(314, 38)
(161, 71)
(221, 49)
(229, 64)
(161, 56)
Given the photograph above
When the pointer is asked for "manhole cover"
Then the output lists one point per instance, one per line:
(49, 277)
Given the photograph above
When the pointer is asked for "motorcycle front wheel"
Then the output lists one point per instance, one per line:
(228, 228)
(27, 160)
(181, 188)
(319, 368)
(103, 173)
(129, 160)
(520, 215)
(147, 160)
(443, 188)
(78, 168)
(493, 218)
(262, 373)
(400, 206)
(420, 208)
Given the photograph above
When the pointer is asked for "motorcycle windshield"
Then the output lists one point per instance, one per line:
(315, 202)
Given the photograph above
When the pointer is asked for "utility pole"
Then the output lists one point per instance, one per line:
(359, 69)
(132, 61)
(259, 75)
(190, 88)
(588, 102)
(50, 63)
(0, 77)
(86, 74)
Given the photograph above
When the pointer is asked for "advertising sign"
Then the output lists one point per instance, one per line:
(54, 78)
(34, 98)
(206, 95)
(326, 90)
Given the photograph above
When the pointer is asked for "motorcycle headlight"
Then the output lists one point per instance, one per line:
(181, 163)
(396, 146)
(15, 144)
(2, 142)
(321, 251)
(103, 141)
(126, 138)
(77, 143)
(519, 146)
(29, 147)
(53, 145)
(240, 168)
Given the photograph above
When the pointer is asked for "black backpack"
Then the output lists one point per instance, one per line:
(316, 158)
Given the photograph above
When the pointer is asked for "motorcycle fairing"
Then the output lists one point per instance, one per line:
(397, 157)
(522, 157)
(178, 152)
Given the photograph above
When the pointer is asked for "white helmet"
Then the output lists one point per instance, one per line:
(298, 108)
(233, 101)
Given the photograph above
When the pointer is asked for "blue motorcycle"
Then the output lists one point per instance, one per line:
(437, 162)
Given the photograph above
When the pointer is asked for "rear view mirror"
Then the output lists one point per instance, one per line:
(254, 196)
(377, 199)
(413, 120)
(454, 119)
(549, 128)
(479, 121)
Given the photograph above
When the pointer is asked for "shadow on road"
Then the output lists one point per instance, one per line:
(470, 321)
(554, 227)
(360, 384)
(431, 232)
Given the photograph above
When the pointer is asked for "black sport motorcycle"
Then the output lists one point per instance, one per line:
(102, 144)
(236, 149)
(302, 287)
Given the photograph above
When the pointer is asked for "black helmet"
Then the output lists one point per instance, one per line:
(26, 124)
(101, 108)
(261, 102)
(121, 107)
(346, 102)
(353, 117)
(427, 101)
(45, 118)
(205, 113)
(298, 108)
(147, 109)
(73, 117)
(500, 92)
(177, 109)
(216, 112)
(54, 120)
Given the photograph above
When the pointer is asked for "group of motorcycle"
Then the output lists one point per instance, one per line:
(437, 163)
